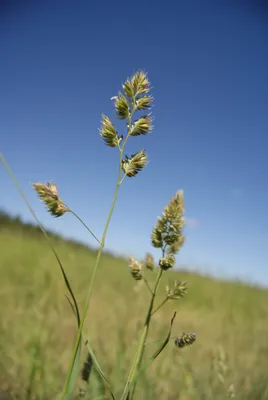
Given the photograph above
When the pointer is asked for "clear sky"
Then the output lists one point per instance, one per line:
(60, 64)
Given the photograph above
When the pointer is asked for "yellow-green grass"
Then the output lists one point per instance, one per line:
(37, 327)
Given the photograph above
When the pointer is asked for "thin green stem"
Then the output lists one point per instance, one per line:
(129, 127)
(90, 289)
(160, 305)
(123, 179)
(92, 281)
(158, 341)
(148, 286)
(82, 222)
(94, 359)
(140, 349)
(73, 305)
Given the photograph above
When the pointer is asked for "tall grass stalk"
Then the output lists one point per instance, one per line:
(166, 235)
(125, 110)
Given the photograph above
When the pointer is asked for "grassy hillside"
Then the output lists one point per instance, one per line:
(37, 327)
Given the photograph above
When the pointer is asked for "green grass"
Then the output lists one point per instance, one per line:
(37, 326)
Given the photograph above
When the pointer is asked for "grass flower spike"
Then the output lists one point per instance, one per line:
(49, 195)
(121, 106)
(178, 290)
(141, 126)
(144, 103)
(134, 164)
(149, 261)
(168, 231)
(109, 133)
(185, 340)
(140, 83)
(136, 268)
(167, 262)
(166, 235)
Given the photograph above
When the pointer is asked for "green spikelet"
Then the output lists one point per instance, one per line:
(185, 340)
(178, 290)
(135, 163)
(149, 261)
(136, 268)
(49, 195)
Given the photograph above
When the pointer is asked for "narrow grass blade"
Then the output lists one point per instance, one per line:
(75, 311)
(94, 359)
(161, 348)
(75, 373)
(75, 369)
(99, 370)
(35, 355)
(17, 186)
(158, 351)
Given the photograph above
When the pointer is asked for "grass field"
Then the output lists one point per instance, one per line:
(37, 327)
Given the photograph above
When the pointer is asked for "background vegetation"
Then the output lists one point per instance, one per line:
(229, 359)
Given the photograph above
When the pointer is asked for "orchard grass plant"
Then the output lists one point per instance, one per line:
(132, 107)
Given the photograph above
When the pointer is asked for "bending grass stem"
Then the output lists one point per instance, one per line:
(82, 222)
(66, 280)
(158, 341)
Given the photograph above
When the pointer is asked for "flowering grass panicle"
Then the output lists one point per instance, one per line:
(49, 195)
(132, 108)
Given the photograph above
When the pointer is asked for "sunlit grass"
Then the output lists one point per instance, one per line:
(37, 325)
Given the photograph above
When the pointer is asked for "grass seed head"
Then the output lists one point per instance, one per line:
(141, 126)
(48, 193)
(149, 262)
(168, 229)
(140, 83)
(136, 268)
(121, 106)
(167, 262)
(135, 163)
(177, 291)
(185, 340)
(108, 132)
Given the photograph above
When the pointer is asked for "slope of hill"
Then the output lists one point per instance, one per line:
(37, 326)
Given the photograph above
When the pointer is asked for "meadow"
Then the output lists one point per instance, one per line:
(37, 327)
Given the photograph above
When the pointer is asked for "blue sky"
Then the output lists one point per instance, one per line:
(61, 62)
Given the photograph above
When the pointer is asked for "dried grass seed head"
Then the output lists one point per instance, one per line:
(140, 83)
(167, 262)
(48, 194)
(108, 132)
(144, 103)
(136, 268)
(121, 106)
(168, 229)
(137, 85)
(135, 163)
(141, 126)
(185, 340)
(177, 290)
(149, 262)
